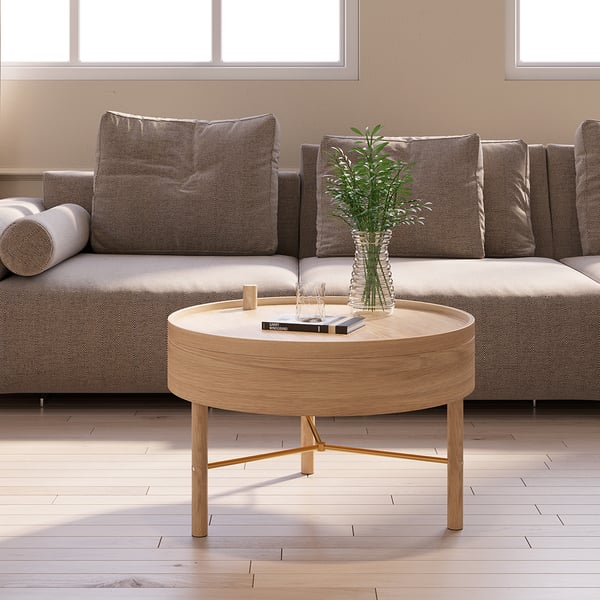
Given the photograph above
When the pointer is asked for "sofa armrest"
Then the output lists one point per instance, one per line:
(73, 187)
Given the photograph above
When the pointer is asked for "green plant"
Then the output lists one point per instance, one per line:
(370, 190)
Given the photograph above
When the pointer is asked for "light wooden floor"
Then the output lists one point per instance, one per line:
(95, 493)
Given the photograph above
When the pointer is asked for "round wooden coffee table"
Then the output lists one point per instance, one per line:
(419, 357)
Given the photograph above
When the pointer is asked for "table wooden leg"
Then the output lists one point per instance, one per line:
(455, 464)
(307, 459)
(199, 470)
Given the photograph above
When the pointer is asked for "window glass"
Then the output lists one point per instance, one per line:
(559, 31)
(129, 31)
(281, 31)
(35, 30)
(179, 39)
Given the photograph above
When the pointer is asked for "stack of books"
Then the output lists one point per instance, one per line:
(342, 324)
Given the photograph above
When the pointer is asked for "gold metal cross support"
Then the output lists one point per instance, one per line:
(321, 446)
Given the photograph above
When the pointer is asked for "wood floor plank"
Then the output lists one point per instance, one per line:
(581, 541)
(132, 580)
(95, 504)
(137, 593)
(449, 555)
(65, 490)
(441, 581)
(432, 567)
(409, 510)
(477, 593)
(149, 555)
(84, 531)
(569, 509)
(269, 519)
(112, 567)
(556, 530)
(363, 543)
(16, 500)
(49, 541)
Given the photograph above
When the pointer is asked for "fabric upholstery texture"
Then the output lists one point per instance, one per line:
(12, 209)
(188, 187)
(588, 265)
(80, 186)
(506, 190)
(562, 193)
(587, 170)
(36, 243)
(536, 319)
(447, 171)
(287, 213)
(98, 322)
(541, 219)
(68, 187)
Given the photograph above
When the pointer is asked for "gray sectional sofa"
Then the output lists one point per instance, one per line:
(95, 321)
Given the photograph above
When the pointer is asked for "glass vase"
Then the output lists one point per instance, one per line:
(371, 285)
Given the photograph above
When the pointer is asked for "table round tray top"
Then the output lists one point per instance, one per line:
(420, 356)
(413, 326)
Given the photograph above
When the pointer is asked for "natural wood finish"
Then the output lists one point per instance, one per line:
(199, 470)
(455, 427)
(307, 459)
(249, 296)
(419, 357)
(518, 463)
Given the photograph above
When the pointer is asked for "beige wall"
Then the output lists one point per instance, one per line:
(426, 67)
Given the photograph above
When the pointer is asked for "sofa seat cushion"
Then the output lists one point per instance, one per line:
(528, 312)
(588, 265)
(186, 187)
(447, 172)
(98, 322)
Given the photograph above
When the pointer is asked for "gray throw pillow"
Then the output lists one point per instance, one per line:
(181, 186)
(36, 243)
(508, 230)
(447, 172)
(587, 171)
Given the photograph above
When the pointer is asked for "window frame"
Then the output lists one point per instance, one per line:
(345, 69)
(516, 69)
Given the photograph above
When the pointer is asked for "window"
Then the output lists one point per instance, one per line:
(179, 39)
(553, 39)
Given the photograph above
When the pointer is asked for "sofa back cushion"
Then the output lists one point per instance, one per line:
(447, 172)
(506, 191)
(181, 186)
(587, 170)
(539, 200)
(566, 238)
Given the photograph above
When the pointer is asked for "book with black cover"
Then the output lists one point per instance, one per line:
(341, 324)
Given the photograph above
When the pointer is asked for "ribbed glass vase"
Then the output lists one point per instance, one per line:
(371, 285)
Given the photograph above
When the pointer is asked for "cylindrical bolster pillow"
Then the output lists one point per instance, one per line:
(33, 244)
(12, 209)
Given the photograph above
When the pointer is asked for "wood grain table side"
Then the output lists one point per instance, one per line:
(419, 357)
